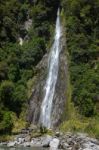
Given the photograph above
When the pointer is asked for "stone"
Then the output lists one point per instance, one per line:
(11, 144)
(20, 41)
(69, 140)
(27, 138)
(65, 145)
(89, 145)
(28, 24)
(57, 134)
(20, 140)
(36, 142)
(27, 144)
(46, 141)
(33, 128)
(25, 131)
(54, 144)
(63, 142)
(76, 147)
(95, 141)
(3, 143)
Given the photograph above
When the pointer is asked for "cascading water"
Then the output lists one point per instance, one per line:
(49, 88)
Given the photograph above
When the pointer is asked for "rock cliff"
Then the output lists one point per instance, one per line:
(59, 101)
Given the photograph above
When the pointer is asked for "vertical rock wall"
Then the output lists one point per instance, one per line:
(59, 101)
(60, 96)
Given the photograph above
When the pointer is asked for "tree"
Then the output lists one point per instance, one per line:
(82, 24)
(6, 93)
(6, 122)
(3, 70)
(19, 98)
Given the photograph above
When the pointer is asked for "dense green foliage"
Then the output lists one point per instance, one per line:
(82, 33)
(17, 63)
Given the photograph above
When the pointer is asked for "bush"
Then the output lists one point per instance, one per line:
(6, 123)
(6, 93)
(19, 98)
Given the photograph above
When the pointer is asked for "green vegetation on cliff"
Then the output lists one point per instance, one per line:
(17, 63)
(81, 20)
(82, 26)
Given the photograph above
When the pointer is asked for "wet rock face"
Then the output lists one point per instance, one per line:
(60, 96)
(34, 107)
(59, 99)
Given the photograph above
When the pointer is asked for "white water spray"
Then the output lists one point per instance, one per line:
(53, 66)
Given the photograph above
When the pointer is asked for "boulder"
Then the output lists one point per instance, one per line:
(36, 142)
(57, 134)
(20, 140)
(65, 145)
(46, 141)
(3, 143)
(27, 144)
(27, 138)
(11, 144)
(54, 144)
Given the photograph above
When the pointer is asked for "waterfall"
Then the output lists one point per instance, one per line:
(53, 65)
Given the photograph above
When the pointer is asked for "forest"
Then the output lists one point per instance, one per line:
(18, 62)
(82, 27)
(81, 19)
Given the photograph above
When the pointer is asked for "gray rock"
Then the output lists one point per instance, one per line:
(54, 144)
(11, 144)
(64, 142)
(25, 131)
(3, 143)
(69, 140)
(20, 140)
(36, 142)
(91, 146)
(65, 145)
(60, 95)
(95, 141)
(35, 101)
(27, 144)
(28, 24)
(43, 141)
(57, 134)
(46, 141)
(27, 138)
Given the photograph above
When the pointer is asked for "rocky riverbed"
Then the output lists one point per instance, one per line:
(68, 141)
